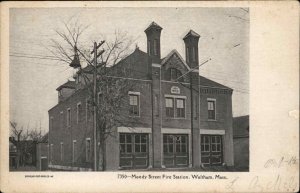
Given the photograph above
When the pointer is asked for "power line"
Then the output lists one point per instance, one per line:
(33, 57)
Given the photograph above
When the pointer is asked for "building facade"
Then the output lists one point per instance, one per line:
(178, 118)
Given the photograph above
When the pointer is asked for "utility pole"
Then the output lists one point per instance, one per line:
(95, 98)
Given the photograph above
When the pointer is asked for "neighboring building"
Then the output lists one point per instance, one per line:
(22, 153)
(13, 155)
(42, 153)
(241, 142)
(173, 124)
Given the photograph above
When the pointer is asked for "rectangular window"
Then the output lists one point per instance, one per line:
(61, 151)
(99, 98)
(74, 151)
(205, 143)
(176, 110)
(68, 117)
(155, 49)
(134, 103)
(87, 149)
(211, 149)
(86, 109)
(126, 143)
(173, 74)
(62, 119)
(193, 54)
(180, 108)
(169, 107)
(78, 112)
(149, 47)
(187, 54)
(211, 103)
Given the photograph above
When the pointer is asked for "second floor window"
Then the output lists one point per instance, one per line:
(69, 117)
(169, 107)
(180, 108)
(175, 107)
(134, 105)
(211, 109)
(78, 112)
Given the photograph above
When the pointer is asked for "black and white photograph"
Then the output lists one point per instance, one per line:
(149, 96)
(129, 89)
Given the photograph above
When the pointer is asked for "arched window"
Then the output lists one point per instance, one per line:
(175, 74)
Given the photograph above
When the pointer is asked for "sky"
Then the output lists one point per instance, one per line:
(33, 78)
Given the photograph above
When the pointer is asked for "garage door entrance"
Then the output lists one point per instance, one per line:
(211, 150)
(134, 150)
(175, 150)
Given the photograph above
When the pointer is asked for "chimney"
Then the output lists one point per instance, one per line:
(191, 48)
(153, 41)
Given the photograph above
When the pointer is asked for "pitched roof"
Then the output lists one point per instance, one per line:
(153, 25)
(165, 59)
(68, 84)
(205, 82)
(241, 126)
(191, 33)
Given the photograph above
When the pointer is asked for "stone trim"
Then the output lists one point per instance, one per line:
(175, 131)
(59, 167)
(212, 131)
(134, 130)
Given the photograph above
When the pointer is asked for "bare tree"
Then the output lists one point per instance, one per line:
(24, 140)
(112, 86)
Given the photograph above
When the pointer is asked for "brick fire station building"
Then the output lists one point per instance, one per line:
(175, 124)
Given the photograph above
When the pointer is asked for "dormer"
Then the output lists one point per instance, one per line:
(66, 90)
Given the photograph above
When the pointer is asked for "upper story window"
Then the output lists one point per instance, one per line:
(78, 79)
(155, 49)
(60, 93)
(193, 54)
(175, 107)
(61, 118)
(68, 117)
(175, 75)
(86, 109)
(180, 108)
(78, 112)
(149, 47)
(211, 104)
(187, 54)
(134, 103)
(169, 107)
